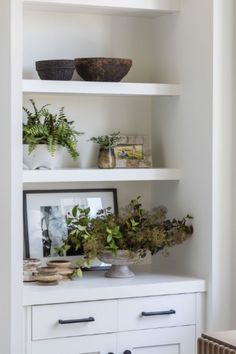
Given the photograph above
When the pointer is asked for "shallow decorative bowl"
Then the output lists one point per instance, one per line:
(120, 263)
(60, 264)
(55, 69)
(102, 69)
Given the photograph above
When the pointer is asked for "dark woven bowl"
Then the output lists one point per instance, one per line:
(55, 69)
(102, 69)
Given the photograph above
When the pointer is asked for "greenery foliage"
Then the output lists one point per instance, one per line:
(43, 127)
(136, 230)
(107, 141)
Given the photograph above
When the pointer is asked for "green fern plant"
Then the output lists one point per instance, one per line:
(43, 127)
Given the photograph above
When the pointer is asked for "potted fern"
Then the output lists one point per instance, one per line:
(50, 140)
(123, 239)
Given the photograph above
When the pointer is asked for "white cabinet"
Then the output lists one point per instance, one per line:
(161, 324)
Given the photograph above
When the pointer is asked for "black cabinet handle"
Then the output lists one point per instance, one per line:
(79, 320)
(158, 313)
(127, 352)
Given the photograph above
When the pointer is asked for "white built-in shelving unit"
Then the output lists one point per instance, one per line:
(136, 10)
(171, 93)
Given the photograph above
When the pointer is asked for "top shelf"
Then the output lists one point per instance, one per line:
(100, 88)
(123, 7)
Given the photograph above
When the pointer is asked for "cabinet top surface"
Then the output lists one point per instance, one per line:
(94, 286)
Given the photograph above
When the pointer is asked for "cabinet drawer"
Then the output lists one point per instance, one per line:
(156, 311)
(75, 319)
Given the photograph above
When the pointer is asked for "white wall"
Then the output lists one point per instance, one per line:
(11, 324)
(49, 35)
(183, 129)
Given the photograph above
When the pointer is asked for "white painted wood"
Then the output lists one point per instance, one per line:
(201, 315)
(101, 88)
(139, 7)
(94, 286)
(99, 175)
(219, 315)
(45, 319)
(27, 330)
(176, 340)
(11, 311)
(100, 344)
(130, 312)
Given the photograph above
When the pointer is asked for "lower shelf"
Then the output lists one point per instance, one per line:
(99, 175)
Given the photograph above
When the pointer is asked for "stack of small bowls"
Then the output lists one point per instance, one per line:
(48, 276)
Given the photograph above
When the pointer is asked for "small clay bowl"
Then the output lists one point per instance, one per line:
(48, 276)
(55, 69)
(102, 69)
(64, 267)
(47, 271)
(59, 264)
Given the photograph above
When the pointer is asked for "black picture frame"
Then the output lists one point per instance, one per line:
(32, 212)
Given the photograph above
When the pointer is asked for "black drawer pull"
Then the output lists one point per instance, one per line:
(158, 313)
(127, 352)
(80, 320)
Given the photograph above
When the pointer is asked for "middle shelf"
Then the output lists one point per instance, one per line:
(101, 175)
(101, 88)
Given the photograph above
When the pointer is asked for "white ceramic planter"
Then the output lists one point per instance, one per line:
(40, 158)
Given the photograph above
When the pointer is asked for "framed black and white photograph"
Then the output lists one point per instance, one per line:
(45, 216)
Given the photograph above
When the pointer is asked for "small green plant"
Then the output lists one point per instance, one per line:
(107, 141)
(43, 127)
(136, 230)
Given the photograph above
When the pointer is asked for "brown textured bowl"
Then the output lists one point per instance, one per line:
(55, 69)
(102, 69)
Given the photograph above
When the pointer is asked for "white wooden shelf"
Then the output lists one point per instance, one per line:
(100, 175)
(129, 7)
(101, 88)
